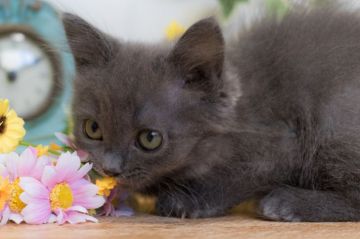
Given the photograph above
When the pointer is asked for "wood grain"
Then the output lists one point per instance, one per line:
(151, 227)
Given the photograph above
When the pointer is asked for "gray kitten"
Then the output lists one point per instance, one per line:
(205, 125)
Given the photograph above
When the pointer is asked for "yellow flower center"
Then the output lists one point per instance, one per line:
(4, 192)
(12, 129)
(61, 197)
(105, 186)
(2, 124)
(15, 203)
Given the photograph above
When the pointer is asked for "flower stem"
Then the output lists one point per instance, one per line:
(27, 144)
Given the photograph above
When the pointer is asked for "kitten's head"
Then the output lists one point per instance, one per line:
(143, 111)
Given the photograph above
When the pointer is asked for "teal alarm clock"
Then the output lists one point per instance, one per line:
(36, 66)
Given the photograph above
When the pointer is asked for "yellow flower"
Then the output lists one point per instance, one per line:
(42, 150)
(55, 147)
(105, 185)
(46, 150)
(11, 128)
(15, 203)
(174, 30)
(61, 197)
(5, 191)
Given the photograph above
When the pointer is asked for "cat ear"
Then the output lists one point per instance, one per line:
(200, 52)
(89, 46)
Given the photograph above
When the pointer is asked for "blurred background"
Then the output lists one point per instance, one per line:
(146, 20)
(37, 68)
(139, 20)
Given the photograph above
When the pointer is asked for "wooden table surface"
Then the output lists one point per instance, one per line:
(149, 227)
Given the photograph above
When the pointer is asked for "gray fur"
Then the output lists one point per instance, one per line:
(274, 116)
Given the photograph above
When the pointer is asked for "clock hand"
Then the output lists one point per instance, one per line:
(11, 76)
(34, 63)
(37, 60)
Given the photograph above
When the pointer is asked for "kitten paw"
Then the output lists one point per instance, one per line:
(172, 207)
(279, 206)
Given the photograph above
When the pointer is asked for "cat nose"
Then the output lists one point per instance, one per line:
(112, 164)
(111, 169)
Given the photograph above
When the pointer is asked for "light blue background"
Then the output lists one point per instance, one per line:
(46, 23)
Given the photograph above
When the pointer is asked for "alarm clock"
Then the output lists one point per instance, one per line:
(36, 66)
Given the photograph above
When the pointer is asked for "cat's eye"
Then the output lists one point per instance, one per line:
(149, 140)
(92, 130)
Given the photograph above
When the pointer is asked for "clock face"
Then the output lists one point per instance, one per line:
(27, 74)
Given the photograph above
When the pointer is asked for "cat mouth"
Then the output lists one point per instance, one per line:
(134, 178)
(99, 170)
(130, 179)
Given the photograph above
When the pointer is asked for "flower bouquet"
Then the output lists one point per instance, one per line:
(46, 184)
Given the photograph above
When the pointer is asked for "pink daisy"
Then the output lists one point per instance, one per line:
(62, 194)
(12, 167)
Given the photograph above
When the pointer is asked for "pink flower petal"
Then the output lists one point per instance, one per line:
(63, 138)
(75, 217)
(83, 188)
(3, 171)
(66, 140)
(26, 163)
(11, 165)
(52, 219)
(49, 177)
(2, 158)
(27, 199)
(37, 213)
(77, 209)
(90, 202)
(17, 218)
(5, 216)
(81, 173)
(91, 219)
(67, 166)
(83, 155)
(34, 188)
(33, 150)
(38, 169)
(60, 217)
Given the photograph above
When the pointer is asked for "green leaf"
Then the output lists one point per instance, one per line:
(278, 7)
(228, 5)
